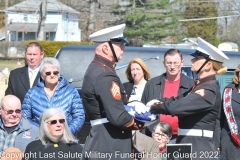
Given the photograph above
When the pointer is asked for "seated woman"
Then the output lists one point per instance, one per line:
(137, 74)
(55, 139)
(162, 133)
(52, 91)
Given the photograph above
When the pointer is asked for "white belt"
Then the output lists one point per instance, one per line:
(195, 132)
(99, 121)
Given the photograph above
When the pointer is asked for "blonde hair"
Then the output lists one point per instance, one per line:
(218, 67)
(144, 67)
(235, 79)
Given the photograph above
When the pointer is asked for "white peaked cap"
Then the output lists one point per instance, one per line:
(108, 33)
(214, 53)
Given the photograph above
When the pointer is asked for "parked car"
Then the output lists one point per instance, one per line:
(74, 60)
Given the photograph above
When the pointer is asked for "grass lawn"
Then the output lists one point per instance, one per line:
(10, 64)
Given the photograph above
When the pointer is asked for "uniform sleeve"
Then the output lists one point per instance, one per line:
(109, 92)
(9, 90)
(27, 107)
(78, 114)
(192, 103)
(218, 128)
(219, 125)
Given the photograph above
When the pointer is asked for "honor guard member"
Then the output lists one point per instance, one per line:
(103, 97)
(197, 110)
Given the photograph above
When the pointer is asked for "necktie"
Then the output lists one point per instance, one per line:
(32, 78)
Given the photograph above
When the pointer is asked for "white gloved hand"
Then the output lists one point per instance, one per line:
(140, 108)
(150, 103)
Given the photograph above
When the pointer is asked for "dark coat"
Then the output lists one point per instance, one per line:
(128, 86)
(222, 136)
(18, 83)
(103, 96)
(36, 151)
(196, 112)
(154, 89)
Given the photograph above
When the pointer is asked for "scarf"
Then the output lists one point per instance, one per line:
(227, 106)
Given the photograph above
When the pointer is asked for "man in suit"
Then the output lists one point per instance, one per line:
(22, 79)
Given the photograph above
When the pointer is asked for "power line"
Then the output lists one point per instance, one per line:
(200, 19)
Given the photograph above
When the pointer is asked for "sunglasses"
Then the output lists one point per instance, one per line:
(17, 111)
(52, 122)
(54, 73)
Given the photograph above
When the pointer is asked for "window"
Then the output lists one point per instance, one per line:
(25, 17)
(20, 36)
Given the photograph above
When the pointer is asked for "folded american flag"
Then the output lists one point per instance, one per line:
(143, 117)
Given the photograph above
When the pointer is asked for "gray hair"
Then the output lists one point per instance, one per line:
(44, 134)
(164, 127)
(53, 62)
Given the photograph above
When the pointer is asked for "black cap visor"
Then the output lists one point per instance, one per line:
(199, 54)
(119, 40)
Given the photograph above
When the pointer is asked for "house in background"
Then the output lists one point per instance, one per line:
(61, 21)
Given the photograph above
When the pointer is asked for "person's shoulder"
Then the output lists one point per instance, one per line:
(127, 84)
(18, 70)
(155, 79)
(184, 77)
(34, 144)
(27, 125)
(76, 146)
(230, 85)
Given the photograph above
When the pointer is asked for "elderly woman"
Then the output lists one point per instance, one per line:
(52, 91)
(137, 74)
(227, 125)
(55, 139)
(162, 133)
(198, 109)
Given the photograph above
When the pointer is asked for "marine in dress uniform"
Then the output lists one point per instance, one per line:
(103, 97)
(197, 110)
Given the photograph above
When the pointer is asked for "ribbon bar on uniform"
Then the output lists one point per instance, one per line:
(99, 121)
(195, 132)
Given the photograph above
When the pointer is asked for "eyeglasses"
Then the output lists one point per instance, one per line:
(54, 73)
(52, 122)
(172, 63)
(160, 135)
(17, 111)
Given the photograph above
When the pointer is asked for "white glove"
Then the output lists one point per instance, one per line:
(150, 103)
(140, 108)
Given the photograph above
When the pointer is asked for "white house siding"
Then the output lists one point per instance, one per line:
(22, 18)
(67, 28)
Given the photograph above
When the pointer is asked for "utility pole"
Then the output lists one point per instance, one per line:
(42, 18)
(6, 21)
